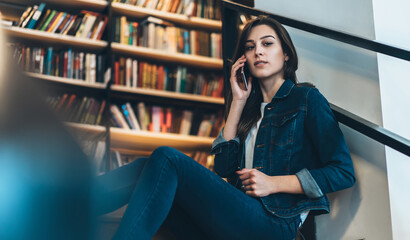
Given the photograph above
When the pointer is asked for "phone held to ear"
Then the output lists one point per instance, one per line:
(242, 75)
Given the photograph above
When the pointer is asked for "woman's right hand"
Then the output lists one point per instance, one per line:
(239, 93)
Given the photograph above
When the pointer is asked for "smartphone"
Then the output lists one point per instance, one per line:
(242, 75)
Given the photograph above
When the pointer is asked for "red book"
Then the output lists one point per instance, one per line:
(205, 88)
(100, 33)
(160, 78)
(140, 74)
(117, 73)
(65, 64)
(70, 102)
(61, 102)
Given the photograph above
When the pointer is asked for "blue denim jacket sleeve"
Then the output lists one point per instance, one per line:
(226, 155)
(336, 171)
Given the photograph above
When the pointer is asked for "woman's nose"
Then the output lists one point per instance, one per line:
(258, 50)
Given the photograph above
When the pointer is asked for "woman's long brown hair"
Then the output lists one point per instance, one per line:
(251, 112)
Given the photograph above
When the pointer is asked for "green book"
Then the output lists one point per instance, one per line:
(48, 20)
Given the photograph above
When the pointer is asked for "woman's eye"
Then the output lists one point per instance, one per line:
(247, 48)
(267, 43)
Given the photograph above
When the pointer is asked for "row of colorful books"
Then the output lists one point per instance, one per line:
(89, 67)
(138, 74)
(86, 24)
(158, 34)
(195, 8)
(88, 110)
(72, 108)
(166, 119)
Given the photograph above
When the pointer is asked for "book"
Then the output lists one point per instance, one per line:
(133, 117)
(116, 114)
(142, 116)
(29, 16)
(36, 16)
(23, 16)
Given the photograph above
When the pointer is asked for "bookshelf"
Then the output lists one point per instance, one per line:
(55, 39)
(118, 138)
(144, 140)
(65, 81)
(140, 12)
(181, 58)
(169, 95)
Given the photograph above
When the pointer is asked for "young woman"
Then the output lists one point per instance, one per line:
(281, 149)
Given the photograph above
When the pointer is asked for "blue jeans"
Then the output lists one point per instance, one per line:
(172, 189)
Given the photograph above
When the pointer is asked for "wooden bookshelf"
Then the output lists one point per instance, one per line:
(168, 94)
(85, 130)
(89, 4)
(122, 139)
(141, 12)
(70, 81)
(181, 58)
(149, 141)
(143, 140)
(55, 39)
(95, 5)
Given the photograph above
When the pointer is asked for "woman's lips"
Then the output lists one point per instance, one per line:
(259, 63)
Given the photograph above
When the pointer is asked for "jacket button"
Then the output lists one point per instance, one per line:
(269, 108)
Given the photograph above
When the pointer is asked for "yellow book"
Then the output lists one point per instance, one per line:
(154, 77)
(124, 35)
(55, 22)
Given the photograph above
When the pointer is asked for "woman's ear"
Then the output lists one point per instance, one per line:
(286, 57)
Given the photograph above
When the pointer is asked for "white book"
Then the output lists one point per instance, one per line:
(87, 67)
(178, 79)
(186, 122)
(118, 158)
(93, 68)
(81, 56)
(99, 27)
(88, 25)
(128, 72)
(107, 75)
(118, 115)
(99, 155)
(156, 120)
(133, 117)
(135, 73)
(151, 35)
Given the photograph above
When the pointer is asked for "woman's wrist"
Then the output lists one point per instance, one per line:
(286, 184)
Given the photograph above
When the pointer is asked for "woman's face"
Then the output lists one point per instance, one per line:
(264, 54)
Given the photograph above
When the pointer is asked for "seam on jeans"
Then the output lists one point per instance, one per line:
(149, 200)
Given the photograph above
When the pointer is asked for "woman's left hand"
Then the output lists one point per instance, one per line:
(256, 183)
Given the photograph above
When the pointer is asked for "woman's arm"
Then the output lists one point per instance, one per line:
(336, 171)
(226, 145)
(258, 184)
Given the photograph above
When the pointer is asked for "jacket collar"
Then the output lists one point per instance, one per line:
(285, 89)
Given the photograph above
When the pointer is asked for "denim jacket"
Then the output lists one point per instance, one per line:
(300, 136)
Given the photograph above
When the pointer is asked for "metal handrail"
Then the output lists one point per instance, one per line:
(373, 131)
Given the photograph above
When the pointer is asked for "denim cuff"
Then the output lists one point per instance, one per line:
(221, 139)
(309, 185)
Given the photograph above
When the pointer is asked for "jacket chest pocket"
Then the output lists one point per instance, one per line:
(283, 128)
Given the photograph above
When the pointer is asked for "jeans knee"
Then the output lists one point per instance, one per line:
(164, 150)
